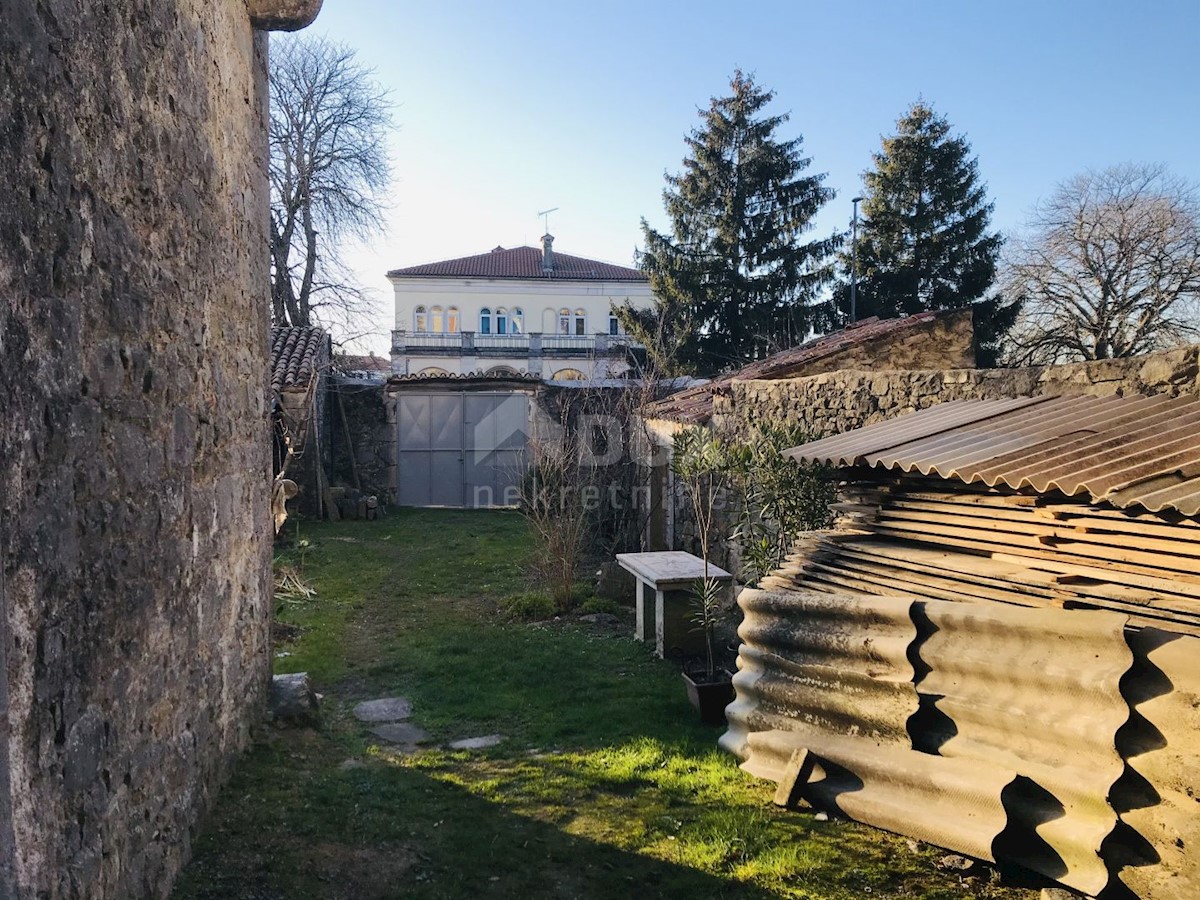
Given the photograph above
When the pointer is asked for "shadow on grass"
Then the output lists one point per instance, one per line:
(606, 785)
(384, 830)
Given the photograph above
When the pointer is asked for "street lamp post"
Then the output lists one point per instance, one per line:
(854, 261)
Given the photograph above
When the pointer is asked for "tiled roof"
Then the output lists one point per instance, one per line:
(520, 262)
(347, 362)
(694, 406)
(465, 377)
(1126, 451)
(296, 356)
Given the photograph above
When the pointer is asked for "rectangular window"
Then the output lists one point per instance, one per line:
(564, 325)
(579, 325)
(614, 325)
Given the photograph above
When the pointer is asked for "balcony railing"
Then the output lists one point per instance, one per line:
(515, 342)
(429, 341)
(470, 343)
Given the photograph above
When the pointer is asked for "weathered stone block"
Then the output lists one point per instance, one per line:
(292, 701)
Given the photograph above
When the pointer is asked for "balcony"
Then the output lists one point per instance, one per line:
(470, 343)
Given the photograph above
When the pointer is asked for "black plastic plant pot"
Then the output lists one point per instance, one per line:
(710, 697)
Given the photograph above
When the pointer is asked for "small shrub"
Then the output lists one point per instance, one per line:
(600, 605)
(528, 607)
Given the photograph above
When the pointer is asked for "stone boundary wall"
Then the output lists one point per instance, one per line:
(135, 533)
(371, 422)
(834, 402)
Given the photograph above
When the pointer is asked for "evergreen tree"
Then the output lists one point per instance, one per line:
(924, 242)
(732, 281)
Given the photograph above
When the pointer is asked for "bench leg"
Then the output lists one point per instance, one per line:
(639, 607)
(659, 629)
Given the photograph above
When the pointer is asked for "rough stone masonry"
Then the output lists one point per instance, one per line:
(134, 459)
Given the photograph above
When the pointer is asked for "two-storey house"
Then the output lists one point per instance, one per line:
(519, 311)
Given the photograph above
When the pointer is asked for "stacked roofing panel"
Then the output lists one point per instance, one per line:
(1122, 450)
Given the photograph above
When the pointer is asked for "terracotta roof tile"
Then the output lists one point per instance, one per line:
(694, 405)
(296, 356)
(520, 262)
(465, 377)
(347, 362)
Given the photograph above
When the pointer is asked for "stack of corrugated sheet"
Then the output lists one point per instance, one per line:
(997, 649)
(922, 538)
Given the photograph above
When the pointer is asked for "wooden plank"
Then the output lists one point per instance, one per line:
(999, 501)
(842, 575)
(1174, 563)
(1022, 515)
(1088, 523)
(1170, 516)
(1165, 539)
(1138, 536)
(945, 588)
(1087, 568)
(1055, 563)
(890, 586)
(1039, 581)
(968, 572)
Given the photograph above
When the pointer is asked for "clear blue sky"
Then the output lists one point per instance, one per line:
(504, 109)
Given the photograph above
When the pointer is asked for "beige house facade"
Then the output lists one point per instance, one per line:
(518, 311)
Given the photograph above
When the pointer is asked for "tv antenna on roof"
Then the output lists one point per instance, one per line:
(545, 214)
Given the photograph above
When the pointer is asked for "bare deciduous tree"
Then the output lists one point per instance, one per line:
(1110, 269)
(329, 167)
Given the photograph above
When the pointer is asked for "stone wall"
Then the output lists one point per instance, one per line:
(134, 520)
(834, 402)
(370, 422)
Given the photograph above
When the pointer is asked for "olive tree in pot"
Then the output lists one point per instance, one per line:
(699, 462)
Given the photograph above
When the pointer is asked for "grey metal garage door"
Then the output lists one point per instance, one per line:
(463, 449)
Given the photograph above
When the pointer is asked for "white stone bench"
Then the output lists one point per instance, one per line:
(664, 600)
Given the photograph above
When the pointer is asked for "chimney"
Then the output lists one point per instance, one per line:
(548, 253)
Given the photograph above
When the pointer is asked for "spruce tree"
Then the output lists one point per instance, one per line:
(923, 240)
(732, 281)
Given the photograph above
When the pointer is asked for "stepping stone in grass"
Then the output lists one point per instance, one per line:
(385, 709)
(402, 733)
(477, 743)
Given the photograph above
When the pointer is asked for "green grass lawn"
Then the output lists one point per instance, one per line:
(606, 784)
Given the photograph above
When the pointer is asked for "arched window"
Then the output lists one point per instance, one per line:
(419, 319)
(437, 321)
(431, 371)
(501, 320)
(485, 321)
(452, 320)
(567, 375)
(564, 321)
(580, 322)
(501, 370)
(516, 322)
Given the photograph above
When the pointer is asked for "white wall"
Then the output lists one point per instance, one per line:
(540, 299)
